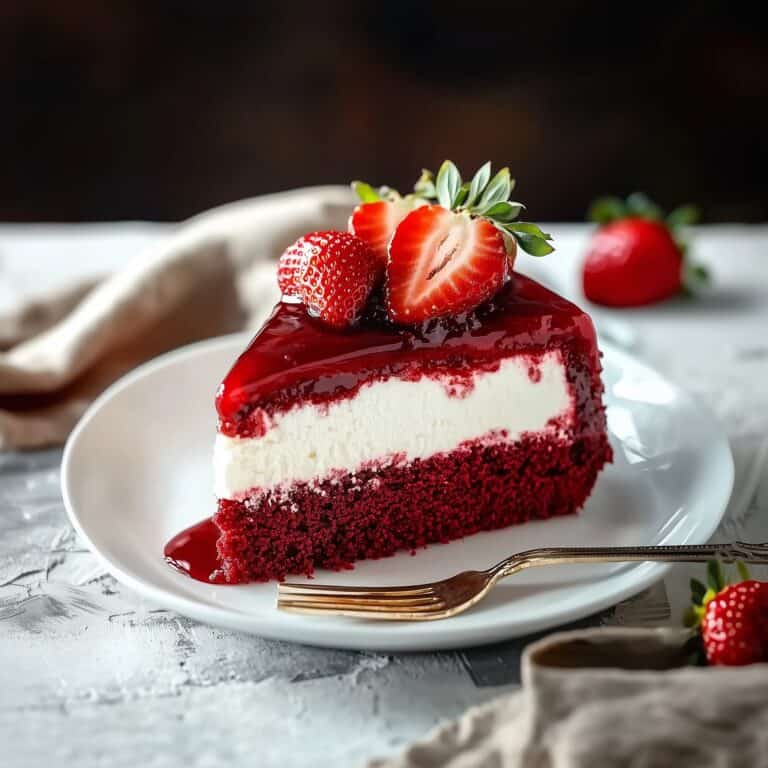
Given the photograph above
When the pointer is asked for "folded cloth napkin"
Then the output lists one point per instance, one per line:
(609, 698)
(212, 276)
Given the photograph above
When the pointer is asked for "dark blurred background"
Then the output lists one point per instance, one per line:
(158, 110)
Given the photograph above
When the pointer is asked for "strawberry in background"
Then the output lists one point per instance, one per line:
(637, 255)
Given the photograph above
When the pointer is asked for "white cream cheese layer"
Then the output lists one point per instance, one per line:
(410, 419)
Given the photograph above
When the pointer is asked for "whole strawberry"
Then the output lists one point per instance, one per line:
(333, 273)
(292, 264)
(733, 619)
(735, 625)
(637, 256)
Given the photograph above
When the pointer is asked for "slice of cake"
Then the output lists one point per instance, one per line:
(420, 392)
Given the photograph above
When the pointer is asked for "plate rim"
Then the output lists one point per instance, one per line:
(617, 587)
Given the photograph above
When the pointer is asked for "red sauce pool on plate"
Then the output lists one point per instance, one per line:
(193, 552)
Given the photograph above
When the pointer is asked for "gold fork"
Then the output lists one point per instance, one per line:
(441, 599)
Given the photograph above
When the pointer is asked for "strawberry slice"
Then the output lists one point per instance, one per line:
(375, 223)
(443, 263)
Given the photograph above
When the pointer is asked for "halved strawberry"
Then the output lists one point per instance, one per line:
(442, 263)
(376, 222)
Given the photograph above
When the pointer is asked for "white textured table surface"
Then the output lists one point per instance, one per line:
(92, 676)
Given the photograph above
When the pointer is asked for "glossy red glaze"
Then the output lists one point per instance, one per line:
(296, 358)
(193, 552)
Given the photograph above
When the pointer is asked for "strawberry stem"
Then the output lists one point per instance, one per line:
(715, 575)
(698, 591)
(743, 571)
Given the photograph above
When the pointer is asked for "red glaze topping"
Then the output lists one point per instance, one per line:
(296, 358)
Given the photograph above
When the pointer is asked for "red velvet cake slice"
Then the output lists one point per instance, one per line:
(460, 397)
(336, 446)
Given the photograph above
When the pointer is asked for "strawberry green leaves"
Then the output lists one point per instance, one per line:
(535, 246)
(604, 210)
(701, 594)
(425, 186)
(698, 590)
(639, 204)
(503, 212)
(479, 183)
(487, 197)
(683, 216)
(695, 277)
(448, 185)
(365, 192)
(530, 238)
(715, 575)
(742, 570)
(497, 190)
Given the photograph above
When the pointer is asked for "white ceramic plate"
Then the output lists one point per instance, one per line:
(137, 470)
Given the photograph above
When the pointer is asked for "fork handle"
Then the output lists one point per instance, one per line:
(738, 550)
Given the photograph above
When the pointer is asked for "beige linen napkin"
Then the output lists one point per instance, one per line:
(213, 276)
(579, 709)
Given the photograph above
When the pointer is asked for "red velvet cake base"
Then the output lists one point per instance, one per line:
(381, 510)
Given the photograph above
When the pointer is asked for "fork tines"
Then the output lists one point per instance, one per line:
(363, 602)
